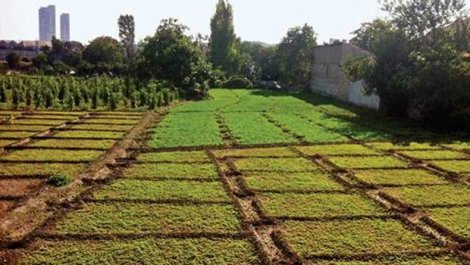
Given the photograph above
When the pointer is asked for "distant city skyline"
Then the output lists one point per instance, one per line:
(260, 20)
(65, 27)
(47, 23)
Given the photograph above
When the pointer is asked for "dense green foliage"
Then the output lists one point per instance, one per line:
(127, 35)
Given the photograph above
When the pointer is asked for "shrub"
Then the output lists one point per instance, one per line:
(238, 82)
(59, 181)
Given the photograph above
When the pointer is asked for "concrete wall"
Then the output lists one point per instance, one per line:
(329, 79)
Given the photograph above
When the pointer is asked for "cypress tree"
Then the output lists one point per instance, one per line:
(15, 98)
(3, 93)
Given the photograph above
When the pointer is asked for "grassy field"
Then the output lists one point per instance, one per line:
(246, 177)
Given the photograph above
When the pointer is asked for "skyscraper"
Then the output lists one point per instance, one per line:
(65, 27)
(47, 23)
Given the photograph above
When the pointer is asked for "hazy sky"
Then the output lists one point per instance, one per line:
(261, 20)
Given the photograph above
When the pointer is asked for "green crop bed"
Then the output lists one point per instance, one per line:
(253, 128)
(256, 152)
(89, 134)
(15, 135)
(460, 166)
(187, 129)
(101, 127)
(455, 219)
(188, 157)
(368, 162)
(340, 149)
(24, 128)
(318, 205)
(40, 122)
(396, 260)
(312, 133)
(275, 164)
(435, 154)
(404, 146)
(132, 218)
(6, 142)
(463, 146)
(143, 251)
(51, 117)
(168, 170)
(278, 181)
(352, 237)
(52, 155)
(110, 121)
(33, 169)
(398, 177)
(128, 189)
(82, 144)
(432, 195)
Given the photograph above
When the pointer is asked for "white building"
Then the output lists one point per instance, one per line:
(47, 26)
(65, 27)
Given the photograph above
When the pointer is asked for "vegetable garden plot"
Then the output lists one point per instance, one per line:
(186, 130)
(320, 205)
(135, 218)
(441, 195)
(110, 121)
(89, 135)
(435, 154)
(18, 187)
(40, 169)
(143, 251)
(398, 177)
(354, 237)
(172, 171)
(396, 260)
(355, 130)
(312, 133)
(275, 164)
(24, 128)
(404, 146)
(256, 152)
(4, 143)
(50, 117)
(252, 128)
(462, 146)
(302, 181)
(189, 157)
(117, 113)
(459, 166)
(52, 155)
(128, 189)
(65, 143)
(40, 122)
(101, 127)
(454, 219)
(15, 135)
(337, 149)
(368, 162)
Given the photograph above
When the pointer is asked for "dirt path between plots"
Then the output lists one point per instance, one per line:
(16, 226)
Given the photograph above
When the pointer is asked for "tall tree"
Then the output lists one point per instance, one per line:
(127, 34)
(223, 44)
(295, 56)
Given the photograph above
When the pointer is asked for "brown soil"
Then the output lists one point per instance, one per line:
(18, 187)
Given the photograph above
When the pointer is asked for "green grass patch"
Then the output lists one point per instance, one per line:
(275, 164)
(459, 166)
(398, 177)
(337, 149)
(457, 194)
(403, 146)
(456, 219)
(318, 205)
(259, 152)
(308, 181)
(190, 157)
(164, 190)
(168, 170)
(368, 162)
(126, 218)
(396, 260)
(15, 135)
(110, 121)
(89, 134)
(52, 155)
(85, 127)
(435, 154)
(25, 128)
(82, 144)
(253, 128)
(186, 130)
(33, 169)
(143, 251)
(353, 237)
(312, 133)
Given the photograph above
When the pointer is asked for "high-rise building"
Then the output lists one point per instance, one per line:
(47, 23)
(65, 27)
